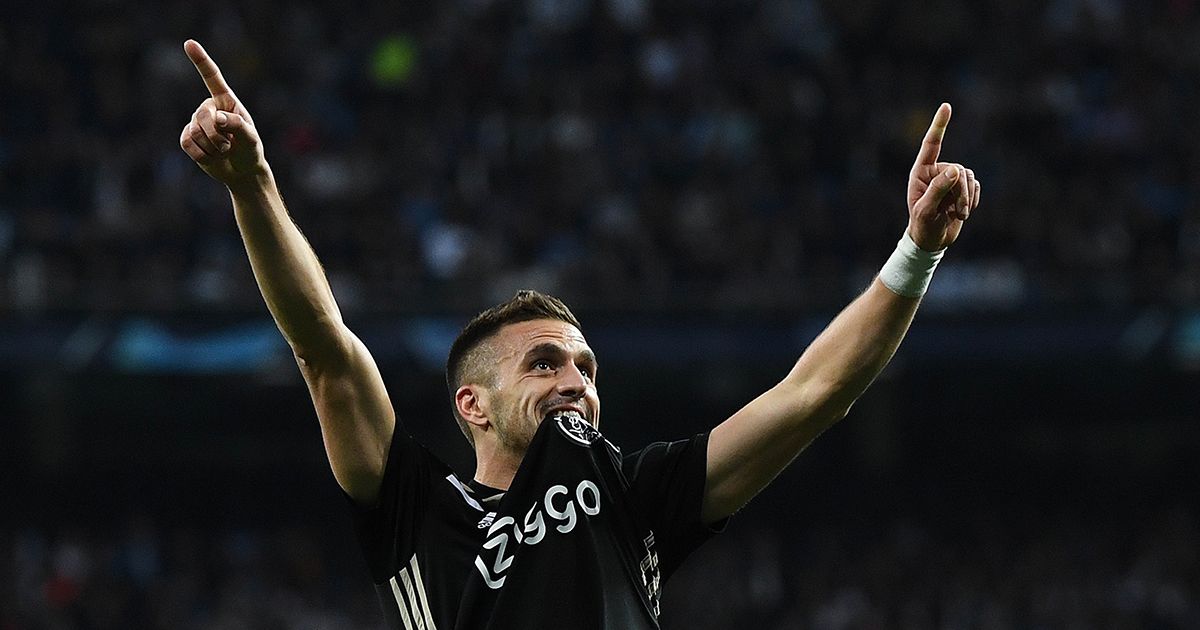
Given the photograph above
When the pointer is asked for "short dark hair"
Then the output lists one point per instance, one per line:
(526, 305)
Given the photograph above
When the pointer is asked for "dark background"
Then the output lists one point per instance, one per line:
(706, 183)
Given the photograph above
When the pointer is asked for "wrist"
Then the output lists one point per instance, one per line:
(252, 184)
(920, 237)
(909, 269)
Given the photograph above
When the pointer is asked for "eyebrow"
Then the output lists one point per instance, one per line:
(554, 349)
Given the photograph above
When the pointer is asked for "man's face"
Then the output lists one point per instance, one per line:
(542, 367)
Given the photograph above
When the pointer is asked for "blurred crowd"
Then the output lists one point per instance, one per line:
(626, 155)
(996, 569)
(623, 153)
(1000, 569)
(146, 575)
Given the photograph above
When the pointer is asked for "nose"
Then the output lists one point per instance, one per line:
(571, 383)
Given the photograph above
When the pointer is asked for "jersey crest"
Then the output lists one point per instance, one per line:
(577, 430)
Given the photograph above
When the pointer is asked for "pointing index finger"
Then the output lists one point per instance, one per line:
(211, 74)
(931, 146)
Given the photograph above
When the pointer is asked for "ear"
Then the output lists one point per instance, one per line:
(472, 404)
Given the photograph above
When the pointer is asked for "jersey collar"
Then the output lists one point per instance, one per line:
(488, 496)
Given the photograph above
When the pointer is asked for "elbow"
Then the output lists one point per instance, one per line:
(830, 413)
(824, 403)
(325, 345)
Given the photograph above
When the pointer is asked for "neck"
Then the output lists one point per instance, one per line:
(495, 466)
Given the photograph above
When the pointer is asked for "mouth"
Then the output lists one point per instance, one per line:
(566, 414)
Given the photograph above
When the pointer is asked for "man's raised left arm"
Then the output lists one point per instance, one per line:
(749, 449)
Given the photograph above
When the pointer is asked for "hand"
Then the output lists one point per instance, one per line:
(221, 137)
(941, 195)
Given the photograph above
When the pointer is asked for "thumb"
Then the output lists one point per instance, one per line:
(941, 185)
(231, 123)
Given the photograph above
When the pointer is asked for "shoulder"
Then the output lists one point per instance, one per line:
(657, 454)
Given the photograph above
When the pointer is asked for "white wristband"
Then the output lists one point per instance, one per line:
(908, 271)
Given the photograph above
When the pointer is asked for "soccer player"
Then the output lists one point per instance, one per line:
(557, 529)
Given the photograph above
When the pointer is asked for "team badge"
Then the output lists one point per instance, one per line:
(576, 429)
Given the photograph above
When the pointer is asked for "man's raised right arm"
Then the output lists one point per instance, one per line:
(356, 415)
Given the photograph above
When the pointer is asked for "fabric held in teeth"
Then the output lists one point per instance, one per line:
(584, 538)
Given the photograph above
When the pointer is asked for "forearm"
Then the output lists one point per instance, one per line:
(287, 271)
(352, 404)
(746, 451)
(846, 357)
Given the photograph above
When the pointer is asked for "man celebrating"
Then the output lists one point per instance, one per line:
(557, 529)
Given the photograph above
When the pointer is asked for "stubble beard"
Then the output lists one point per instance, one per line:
(515, 432)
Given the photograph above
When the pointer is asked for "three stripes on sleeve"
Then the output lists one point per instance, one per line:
(409, 591)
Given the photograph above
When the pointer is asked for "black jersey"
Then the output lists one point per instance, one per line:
(581, 540)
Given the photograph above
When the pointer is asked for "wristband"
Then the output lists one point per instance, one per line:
(909, 269)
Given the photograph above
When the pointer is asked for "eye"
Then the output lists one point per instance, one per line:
(586, 371)
(542, 364)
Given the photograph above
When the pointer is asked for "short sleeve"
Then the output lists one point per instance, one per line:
(388, 531)
(666, 482)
